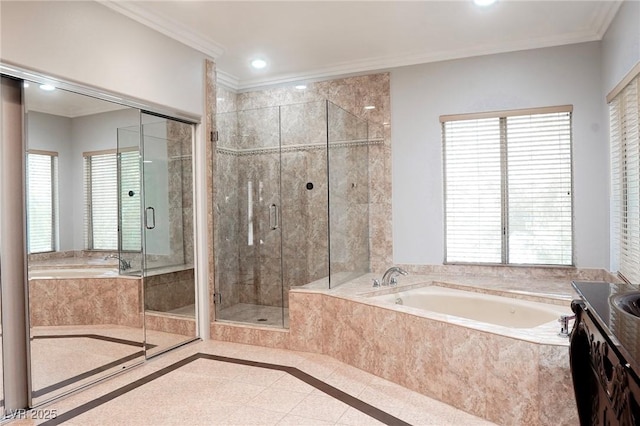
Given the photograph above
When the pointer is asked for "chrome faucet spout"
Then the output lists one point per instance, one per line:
(124, 265)
(389, 277)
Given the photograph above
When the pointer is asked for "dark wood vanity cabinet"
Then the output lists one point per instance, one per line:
(606, 386)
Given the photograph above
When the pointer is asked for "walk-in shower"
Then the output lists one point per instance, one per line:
(291, 205)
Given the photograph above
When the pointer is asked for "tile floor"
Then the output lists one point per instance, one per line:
(215, 392)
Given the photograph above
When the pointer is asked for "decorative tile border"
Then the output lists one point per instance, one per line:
(297, 148)
(334, 392)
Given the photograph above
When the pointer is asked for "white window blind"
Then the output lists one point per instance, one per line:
(624, 117)
(473, 191)
(102, 193)
(539, 189)
(42, 204)
(508, 188)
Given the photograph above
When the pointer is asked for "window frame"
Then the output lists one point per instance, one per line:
(502, 116)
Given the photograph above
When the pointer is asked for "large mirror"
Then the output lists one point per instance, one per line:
(109, 194)
(2, 405)
(85, 308)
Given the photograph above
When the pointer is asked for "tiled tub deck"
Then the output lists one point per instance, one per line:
(508, 376)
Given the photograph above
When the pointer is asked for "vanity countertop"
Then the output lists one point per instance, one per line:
(623, 329)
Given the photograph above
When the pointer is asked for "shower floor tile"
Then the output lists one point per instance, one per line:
(207, 383)
(270, 316)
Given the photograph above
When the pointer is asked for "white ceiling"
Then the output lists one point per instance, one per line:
(64, 103)
(317, 39)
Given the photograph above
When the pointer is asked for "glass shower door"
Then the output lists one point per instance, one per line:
(167, 233)
(248, 231)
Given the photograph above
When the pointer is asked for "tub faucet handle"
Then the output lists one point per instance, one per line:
(376, 282)
(564, 324)
(393, 282)
(390, 273)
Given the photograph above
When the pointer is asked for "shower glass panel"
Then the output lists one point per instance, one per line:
(291, 206)
(167, 219)
(84, 315)
(248, 231)
(305, 255)
(348, 157)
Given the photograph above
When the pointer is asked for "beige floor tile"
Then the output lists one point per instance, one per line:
(250, 416)
(320, 407)
(290, 420)
(219, 393)
(353, 417)
(279, 400)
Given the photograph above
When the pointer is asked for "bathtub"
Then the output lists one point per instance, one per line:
(98, 270)
(474, 306)
(470, 347)
(62, 273)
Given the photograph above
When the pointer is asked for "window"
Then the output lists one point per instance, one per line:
(624, 118)
(42, 201)
(508, 187)
(103, 196)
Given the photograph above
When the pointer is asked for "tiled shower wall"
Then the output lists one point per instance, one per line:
(352, 94)
(250, 273)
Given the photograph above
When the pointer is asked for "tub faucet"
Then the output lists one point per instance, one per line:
(564, 324)
(389, 277)
(124, 265)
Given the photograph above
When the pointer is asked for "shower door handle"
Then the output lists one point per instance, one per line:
(150, 224)
(274, 217)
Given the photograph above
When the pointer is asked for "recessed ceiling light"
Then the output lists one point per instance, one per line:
(258, 63)
(301, 86)
(484, 3)
(25, 84)
(219, 99)
(47, 87)
(370, 107)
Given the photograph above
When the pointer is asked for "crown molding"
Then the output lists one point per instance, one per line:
(600, 22)
(166, 26)
(604, 16)
(227, 80)
(385, 63)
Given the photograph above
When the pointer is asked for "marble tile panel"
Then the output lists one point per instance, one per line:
(465, 362)
(555, 387)
(424, 356)
(512, 371)
(306, 321)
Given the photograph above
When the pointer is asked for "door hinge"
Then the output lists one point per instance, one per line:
(217, 298)
(214, 136)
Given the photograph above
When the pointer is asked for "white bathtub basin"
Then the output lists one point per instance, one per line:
(63, 273)
(486, 308)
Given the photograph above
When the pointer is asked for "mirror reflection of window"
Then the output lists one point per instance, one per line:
(101, 200)
(42, 201)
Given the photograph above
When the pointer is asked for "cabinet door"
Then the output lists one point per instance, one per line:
(634, 398)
